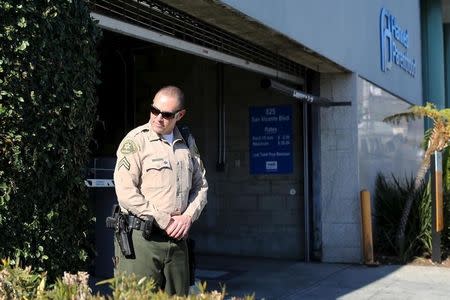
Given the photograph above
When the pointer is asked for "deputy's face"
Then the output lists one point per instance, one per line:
(164, 114)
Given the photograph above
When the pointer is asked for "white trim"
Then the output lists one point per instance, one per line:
(96, 183)
(121, 27)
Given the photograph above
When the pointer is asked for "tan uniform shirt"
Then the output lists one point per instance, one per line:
(156, 178)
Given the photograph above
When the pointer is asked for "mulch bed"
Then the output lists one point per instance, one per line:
(416, 261)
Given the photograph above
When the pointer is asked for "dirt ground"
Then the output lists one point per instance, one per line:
(423, 261)
(417, 261)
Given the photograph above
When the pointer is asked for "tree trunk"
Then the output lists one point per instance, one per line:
(424, 166)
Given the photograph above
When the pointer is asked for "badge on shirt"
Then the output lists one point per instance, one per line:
(129, 147)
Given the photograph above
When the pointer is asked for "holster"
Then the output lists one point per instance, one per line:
(118, 221)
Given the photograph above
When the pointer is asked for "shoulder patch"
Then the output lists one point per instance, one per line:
(129, 147)
(123, 163)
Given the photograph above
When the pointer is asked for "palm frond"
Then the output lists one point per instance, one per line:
(426, 138)
(445, 113)
(429, 111)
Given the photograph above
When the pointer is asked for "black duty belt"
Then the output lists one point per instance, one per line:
(135, 222)
(138, 224)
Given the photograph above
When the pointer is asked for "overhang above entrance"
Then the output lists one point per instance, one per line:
(233, 21)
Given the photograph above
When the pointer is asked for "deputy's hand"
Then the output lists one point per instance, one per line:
(178, 226)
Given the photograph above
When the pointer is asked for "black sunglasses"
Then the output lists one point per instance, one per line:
(165, 114)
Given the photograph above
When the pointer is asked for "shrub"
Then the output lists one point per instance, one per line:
(71, 286)
(48, 74)
(18, 283)
(390, 197)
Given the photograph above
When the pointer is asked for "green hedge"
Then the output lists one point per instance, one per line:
(48, 71)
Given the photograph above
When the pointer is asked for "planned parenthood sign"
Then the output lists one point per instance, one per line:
(394, 44)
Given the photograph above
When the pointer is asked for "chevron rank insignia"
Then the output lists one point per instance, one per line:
(125, 163)
(129, 147)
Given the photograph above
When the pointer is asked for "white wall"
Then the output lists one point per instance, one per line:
(347, 32)
(339, 181)
(355, 145)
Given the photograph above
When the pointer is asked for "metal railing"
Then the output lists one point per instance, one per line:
(156, 16)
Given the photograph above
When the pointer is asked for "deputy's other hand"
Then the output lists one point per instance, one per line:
(178, 226)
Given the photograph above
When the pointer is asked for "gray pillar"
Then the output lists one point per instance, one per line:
(433, 52)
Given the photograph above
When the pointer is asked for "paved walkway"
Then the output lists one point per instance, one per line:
(281, 279)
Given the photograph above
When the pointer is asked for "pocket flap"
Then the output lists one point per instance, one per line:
(157, 164)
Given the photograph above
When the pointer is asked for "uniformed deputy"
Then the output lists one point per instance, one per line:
(157, 175)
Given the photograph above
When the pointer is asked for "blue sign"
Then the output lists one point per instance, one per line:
(394, 45)
(271, 140)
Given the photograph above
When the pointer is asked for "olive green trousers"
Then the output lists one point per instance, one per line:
(161, 258)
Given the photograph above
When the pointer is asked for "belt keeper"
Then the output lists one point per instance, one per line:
(135, 222)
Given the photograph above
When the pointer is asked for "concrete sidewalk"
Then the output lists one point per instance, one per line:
(281, 279)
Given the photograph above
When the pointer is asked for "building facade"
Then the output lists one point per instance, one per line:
(286, 100)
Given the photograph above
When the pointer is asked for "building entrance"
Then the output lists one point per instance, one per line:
(248, 213)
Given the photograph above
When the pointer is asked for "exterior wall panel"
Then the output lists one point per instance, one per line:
(347, 32)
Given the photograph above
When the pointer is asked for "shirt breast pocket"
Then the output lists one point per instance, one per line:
(156, 173)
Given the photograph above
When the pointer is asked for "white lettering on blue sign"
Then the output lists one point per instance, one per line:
(271, 111)
(391, 35)
(271, 140)
(272, 165)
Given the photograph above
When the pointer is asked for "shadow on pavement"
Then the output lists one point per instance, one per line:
(283, 279)
(288, 279)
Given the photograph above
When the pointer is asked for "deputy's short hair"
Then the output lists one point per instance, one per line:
(172, 91)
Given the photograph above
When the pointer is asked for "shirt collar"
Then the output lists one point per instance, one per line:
(176, 134)
(153, 136)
